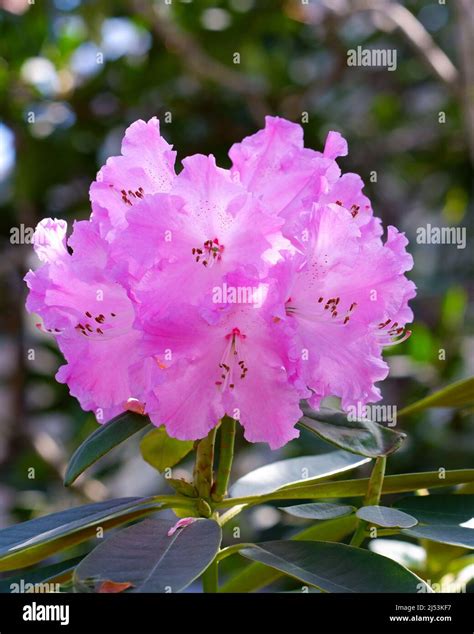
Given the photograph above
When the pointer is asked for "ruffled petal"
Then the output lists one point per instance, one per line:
(265, 402)
(145, 167)
(49, 239)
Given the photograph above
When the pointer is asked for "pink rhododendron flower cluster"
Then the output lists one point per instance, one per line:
(209, 292)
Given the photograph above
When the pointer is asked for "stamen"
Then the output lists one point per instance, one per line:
(315, 315)
(230, 362)
(49, 331)
(211, 250)
(126, 195)
(91, 330)
(393, 336)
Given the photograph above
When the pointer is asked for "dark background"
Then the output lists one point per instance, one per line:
(62, 114)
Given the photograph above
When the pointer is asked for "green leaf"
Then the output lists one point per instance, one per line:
(459, 394)
(336, 567)
(295, 470)
(449, 518)
(161, 451)
(54, 573)
(145, 556)
(352, 488)
(316, 511)
(454, 535)
(105, 438)
(256, 575)
(439, 509)
(360, 436)
(386, 517)
(24, 544)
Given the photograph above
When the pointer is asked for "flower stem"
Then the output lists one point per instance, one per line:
(374, 490)
(207, 487)
(226, 456)
(232, 512)
(203, 468)
(372, 497)
(231, 550)
(210, 581)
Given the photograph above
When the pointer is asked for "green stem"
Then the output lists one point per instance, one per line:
(374, 490)
(232, 512)
(359, 534)
(210, 581)
(382, 532)
(372, 497)
(203, 468)
(226, 456)
(231, 550)
(174, 501)
(355, 488)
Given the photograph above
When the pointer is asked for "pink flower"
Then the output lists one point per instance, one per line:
(187, 241)
(212, 292)
(345, 292)
(85, 307)
(274, 165)
(234, 365)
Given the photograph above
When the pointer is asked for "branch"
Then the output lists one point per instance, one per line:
(419, 38)
(413, 31)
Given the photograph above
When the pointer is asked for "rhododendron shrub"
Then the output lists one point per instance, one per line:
(311, 290)
(200, 298)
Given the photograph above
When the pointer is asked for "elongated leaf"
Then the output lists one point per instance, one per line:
(454, 535)
(295, 470)
(54, 573)
(161, 451)
(105, 438)
(439, 509)
(459, 394)
(386, 517)
(360, 436)
(26, 543)
(316, 511)
(148, 558)
(256, 575)
(353, 488)
(336, 567)
(449, 519)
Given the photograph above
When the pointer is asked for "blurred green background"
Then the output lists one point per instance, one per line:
(74, 74)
